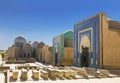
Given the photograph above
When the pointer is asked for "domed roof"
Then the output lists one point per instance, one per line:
(35, 42)
(34, 45)
(27, 45)
(41, 44)
(19, 41)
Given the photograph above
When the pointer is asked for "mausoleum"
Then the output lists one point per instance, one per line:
(97, 42)
(63, 49)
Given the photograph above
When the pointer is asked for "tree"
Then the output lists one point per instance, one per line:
(2, 54)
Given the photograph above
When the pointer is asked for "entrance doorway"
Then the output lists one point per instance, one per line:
(28, 55)
(85, 57)
(40, 57)
(84, 51)
(56, 56)
(56, 59)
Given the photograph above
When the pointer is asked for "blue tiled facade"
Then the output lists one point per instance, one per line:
(57, 44)
(90, 28)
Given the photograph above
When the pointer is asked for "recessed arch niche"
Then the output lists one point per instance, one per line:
(85, 42)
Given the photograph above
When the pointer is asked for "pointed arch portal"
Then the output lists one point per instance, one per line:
(84, 50)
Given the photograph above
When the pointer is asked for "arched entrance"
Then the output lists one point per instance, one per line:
(24, 55)
(56, 56)
(84, 51)
(28, 55)
(40, 57)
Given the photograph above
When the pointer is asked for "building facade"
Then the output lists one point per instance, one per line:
(37, 50)
(47, 54)
(42, 52)
(97, 42)
(63, 49)
(0, 59)
(21, 49)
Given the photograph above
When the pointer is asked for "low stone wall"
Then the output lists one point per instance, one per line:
(28, 60)
(4, 68)
(9, 62)
(26, 67)
(19, 61)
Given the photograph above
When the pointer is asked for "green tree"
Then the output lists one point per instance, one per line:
(2, 54)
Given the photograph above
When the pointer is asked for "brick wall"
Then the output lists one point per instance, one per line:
(68, 58)
(111, 46)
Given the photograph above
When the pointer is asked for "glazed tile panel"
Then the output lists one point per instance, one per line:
(90, 28)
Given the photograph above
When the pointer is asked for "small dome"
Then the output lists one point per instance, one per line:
(41, 44)
(34, 45)
(19, 41)
(27, 46)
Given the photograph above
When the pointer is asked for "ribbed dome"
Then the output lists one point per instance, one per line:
(19, 41)
(27, 46)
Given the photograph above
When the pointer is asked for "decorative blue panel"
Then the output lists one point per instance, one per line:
(94, 37)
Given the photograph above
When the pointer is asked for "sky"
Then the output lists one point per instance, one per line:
(41, 20)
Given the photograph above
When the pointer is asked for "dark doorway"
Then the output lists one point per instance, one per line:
(24, 55)
(41, 57)
(56, 58)
(34, 55)
(85, 57)
(28, 55)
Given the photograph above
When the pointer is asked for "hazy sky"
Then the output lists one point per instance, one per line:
(41, 20)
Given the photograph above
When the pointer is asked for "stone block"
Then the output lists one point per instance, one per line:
(82, 71)
(72, 73)
(44, 74)
(24, 74)
(66, 73)
(15, 75)
(60, 73)
(52, 73)
(35, 74)
(92, 71)
(105, 72)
